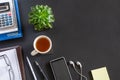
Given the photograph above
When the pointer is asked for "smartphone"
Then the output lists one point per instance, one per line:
(60, 69)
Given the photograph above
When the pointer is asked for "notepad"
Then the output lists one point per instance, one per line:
(100, 74)
(9, 65)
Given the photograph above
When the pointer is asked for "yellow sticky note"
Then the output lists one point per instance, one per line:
(100, 74)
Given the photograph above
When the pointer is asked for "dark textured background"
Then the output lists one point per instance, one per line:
(84, 30)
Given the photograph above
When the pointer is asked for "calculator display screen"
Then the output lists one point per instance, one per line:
(4, 7)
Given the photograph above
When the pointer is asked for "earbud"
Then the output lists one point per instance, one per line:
(72, 63)
(79, 64)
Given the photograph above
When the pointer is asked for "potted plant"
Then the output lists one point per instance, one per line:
(41, 16)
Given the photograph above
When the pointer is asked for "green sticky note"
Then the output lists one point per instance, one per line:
(100, 74)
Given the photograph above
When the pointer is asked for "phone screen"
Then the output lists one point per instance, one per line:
(60, 69)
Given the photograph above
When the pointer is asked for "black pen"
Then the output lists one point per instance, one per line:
(41, 70)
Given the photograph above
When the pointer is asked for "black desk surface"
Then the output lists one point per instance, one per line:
(85, 30)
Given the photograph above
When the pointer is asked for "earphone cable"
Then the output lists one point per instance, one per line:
(80, 73)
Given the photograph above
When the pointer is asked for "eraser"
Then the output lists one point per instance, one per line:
(100, 74)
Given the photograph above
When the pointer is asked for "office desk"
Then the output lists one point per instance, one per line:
(84, 30)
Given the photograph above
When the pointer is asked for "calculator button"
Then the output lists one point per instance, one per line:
(10, 24)
(9, 14)
(6, 23)
(10, 21)
(5, 16)
(1, 25)
(2, 17)
(9, 18)
(1, 14)
(5, 19)
(1, 22)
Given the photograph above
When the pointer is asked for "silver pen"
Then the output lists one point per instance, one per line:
(35, 78)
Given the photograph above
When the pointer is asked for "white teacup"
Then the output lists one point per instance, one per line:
(42, 44)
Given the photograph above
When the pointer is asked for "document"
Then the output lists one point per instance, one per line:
(9, 65)
(100, 74)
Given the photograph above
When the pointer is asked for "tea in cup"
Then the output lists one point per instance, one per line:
(42, 44)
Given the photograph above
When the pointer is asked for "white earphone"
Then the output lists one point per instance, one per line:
(72, 63)
(80, 66)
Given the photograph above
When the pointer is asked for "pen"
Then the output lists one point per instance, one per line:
(35, 78)
(41, 70)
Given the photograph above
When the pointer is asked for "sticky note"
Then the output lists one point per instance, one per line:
(100, 74)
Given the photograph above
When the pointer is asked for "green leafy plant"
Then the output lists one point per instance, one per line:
(41, 16)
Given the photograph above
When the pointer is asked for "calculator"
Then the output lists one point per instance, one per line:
(8, 21)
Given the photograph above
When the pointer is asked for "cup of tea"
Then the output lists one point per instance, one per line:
(42, 44)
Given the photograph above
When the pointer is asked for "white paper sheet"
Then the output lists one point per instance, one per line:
(9, 66)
